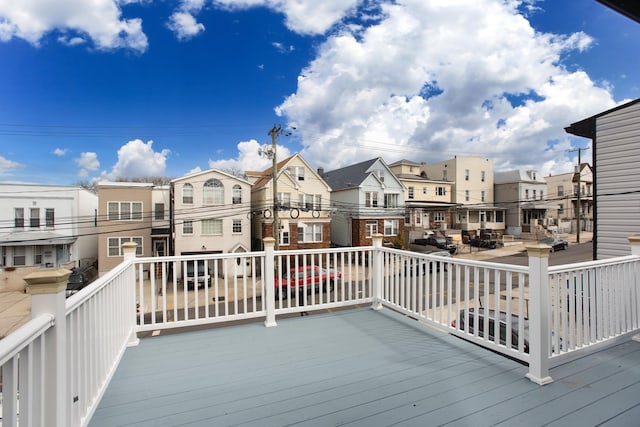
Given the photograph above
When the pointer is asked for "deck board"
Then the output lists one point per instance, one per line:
(358, 368)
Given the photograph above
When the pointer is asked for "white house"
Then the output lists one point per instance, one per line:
(45, 226)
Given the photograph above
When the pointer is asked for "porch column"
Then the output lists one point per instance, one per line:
(634, 241)
(268, 283)
(376, 271)
(539, 316)
(129, 251)
(47, 288)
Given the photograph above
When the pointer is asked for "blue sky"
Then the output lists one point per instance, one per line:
(144, 88)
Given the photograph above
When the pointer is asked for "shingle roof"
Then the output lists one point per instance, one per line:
(348, 176)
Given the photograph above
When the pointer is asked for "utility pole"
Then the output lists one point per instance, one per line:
(579, 150)
(274, 133)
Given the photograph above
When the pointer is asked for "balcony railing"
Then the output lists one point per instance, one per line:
(56, 367)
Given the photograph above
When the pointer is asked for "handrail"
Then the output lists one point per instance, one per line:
(15, 342)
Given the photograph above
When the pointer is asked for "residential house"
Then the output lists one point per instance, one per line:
(615, 149)
(427, 201)
(367, 198)
(302, 206)
(471, 178)
(211, 214)
(45, 226)
(126, 213)
(523, 193)
(562, 191)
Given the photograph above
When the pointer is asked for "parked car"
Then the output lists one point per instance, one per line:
(79, 279)
(555, 243)
(312, 276)
(437, 241)
(202, 277)
(468, 317)
(483, 243)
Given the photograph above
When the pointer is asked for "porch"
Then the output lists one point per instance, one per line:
(80, 361)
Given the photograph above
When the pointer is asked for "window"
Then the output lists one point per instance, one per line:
(213, 192)
(34, 221)
(482, 175)
(407, 217)
(309, 233)
(499, 216)
(19, 218)
(441, 191)
(297, 172)
(237, 226)
(390, 227)
(124, 211)
(284, 237)
(19, 257)
(560, 190)
(372, 228)
(371, 199)
(418, 216)
(49, 217)
(439, 216)
(236, 197)
(411, 192)
(309, 202)
(284, 200)
(541, 194)
(158, 211)
(187, 227)
(466, 195)
(37, 255)
(466, 174)
(526, 194)
(390, 200)
(115, 245)
(560, 208)
(482, 196)
(211, 227)
(3, 256)
(534, 194)
(187, 194)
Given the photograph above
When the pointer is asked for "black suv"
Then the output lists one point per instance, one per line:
(79, 279)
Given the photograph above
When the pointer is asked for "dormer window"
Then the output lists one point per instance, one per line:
(297, 172)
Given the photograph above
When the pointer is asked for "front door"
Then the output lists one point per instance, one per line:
(425, 220)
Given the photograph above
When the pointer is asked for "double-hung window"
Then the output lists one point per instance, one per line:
(390, 227)
(371, 199)
(372, 228)
(115, 245)
(49, 217)
(19, 218)
(34, 221)
(124, 211)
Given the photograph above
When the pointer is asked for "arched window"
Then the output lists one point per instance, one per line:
(187, 194)
(213, 192)
(237, 194)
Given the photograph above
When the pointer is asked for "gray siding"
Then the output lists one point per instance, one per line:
(618, 180)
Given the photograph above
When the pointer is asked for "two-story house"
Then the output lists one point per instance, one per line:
(427, 201)
(45, 226)
(126, 213)
(211, 213)
(562, 191)
(524, 195)
(367, 199)
(472, 187)
(302, 205)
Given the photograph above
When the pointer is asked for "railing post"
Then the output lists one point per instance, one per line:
(634, 241)
(268, 282)
(129, 251)
(377, 271)
(539, 314)
(47, 289)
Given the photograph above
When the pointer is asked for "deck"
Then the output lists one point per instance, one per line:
(357, 367)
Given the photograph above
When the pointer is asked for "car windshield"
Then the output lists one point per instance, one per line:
(548, 241)
(75, 279)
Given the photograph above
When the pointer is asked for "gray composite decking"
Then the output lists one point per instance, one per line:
(358, 368)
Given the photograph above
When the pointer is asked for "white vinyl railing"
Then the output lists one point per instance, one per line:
(56, 367)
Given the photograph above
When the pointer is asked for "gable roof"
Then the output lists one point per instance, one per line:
(208, 171)
(629, 8)
(264, 177)
(587, 127)
(349, 176)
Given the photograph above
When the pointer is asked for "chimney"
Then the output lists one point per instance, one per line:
(321, 172)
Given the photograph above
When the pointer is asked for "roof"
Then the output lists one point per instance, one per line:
(208, 171)
(349, 176)
(29, 238)
(517, 175)
(629, 8)
(587, 127)
(264, 177)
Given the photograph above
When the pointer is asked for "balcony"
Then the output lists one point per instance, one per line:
(382, 344)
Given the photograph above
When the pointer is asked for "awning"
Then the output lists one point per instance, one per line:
(37, 238)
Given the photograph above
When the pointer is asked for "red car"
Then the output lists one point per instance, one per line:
(312, 276)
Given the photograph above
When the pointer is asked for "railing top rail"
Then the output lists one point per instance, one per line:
(171, 258)
(324, 250)
(13, 343)
(565, 268)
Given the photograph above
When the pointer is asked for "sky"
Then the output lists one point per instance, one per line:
(113, 89)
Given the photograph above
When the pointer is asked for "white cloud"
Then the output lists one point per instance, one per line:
(87, 162)
(249, 158)
(184, 25)
(99, 20)
(304, 17)
(137, 160)
(60, 152)
(7, 165)
(431, 80)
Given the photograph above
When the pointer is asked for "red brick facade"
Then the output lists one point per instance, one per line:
(359, 231)
(267, 230)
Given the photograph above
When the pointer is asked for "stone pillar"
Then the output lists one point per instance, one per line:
(47, 289)
(377, 271)
(268, 282)
(539, 314)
